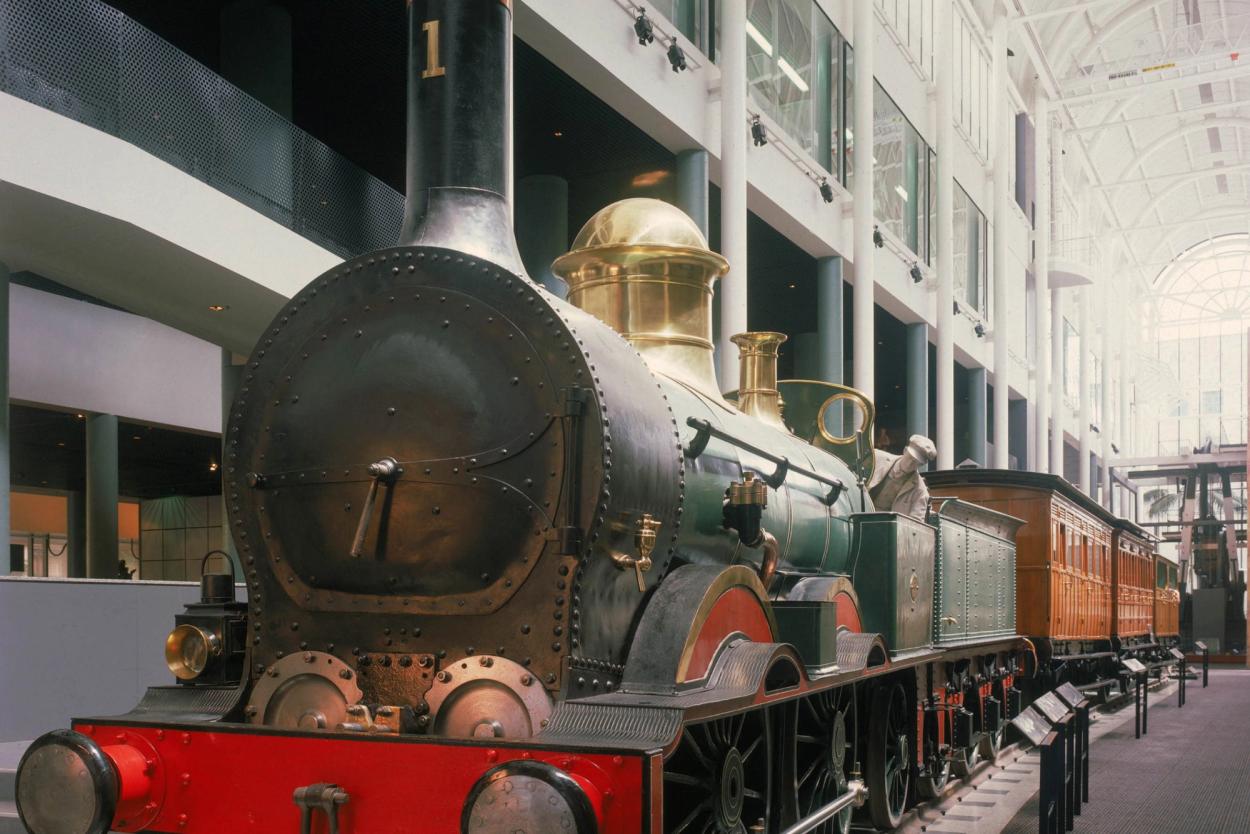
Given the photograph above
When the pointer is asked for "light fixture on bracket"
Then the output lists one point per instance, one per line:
(957, 308)
(826, 190)
(916, 275)
(979, 329)
(643, 28)
(878, 240)
(759, 134)
(676, 56)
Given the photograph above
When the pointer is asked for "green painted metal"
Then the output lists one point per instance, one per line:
(812, 628)
(975, 573)
(892, 570)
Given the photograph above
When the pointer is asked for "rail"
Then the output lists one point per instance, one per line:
(705, 431)
(89, 62)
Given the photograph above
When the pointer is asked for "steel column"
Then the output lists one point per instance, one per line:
(1059, 371)
(692, 190)
(918, 379)
(1108, 420)
(733, 185)
(4, 405)
(542, 227)
(76, 536)
(978, 421)
(102, 496)
(829, 318)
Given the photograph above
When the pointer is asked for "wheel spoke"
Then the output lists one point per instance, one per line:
(704, 760)
(807, 774)
(705, 805)
(686, 779)
(751, 748)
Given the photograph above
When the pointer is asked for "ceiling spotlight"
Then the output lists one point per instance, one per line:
(916, 275)
(212, 467)
(979, 329)
(1011, 53)
(1115, 448)
(217, 308)
(643, 28)
(758, 134)
(826, 190)
(878, 240)
(676, 57)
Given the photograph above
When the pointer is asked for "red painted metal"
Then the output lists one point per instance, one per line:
(848, 612)
(241, 779)
(737, 611)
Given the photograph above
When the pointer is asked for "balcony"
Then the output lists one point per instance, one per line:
(1074, 262)
(90, 63)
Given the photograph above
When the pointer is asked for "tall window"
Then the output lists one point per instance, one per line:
(971, 254)
(794, 72)
(900, 199)
(1191, 383)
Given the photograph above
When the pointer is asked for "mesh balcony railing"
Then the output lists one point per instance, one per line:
(89, 62)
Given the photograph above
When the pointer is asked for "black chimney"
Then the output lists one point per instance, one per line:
(459, 193)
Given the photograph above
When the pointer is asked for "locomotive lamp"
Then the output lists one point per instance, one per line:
(208, 641)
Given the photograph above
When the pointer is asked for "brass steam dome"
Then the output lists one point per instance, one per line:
(643, 267)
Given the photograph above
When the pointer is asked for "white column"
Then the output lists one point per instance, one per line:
(1041, 279)
(863, 366)
(1058, 408)
(1002, 213)
(1085, 378)
(1107, 421)
(1126, 369)
(733, 184)
(945, 319)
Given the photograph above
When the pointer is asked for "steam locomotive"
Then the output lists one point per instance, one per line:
(515, 563)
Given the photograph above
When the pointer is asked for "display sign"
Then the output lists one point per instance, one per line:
(1033, 724)
(1050, 706)
(1070, 695)
(1200, 646)
(1178, 654)
(1133, 665)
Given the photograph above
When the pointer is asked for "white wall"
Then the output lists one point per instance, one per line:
(77, 355)
(81, 647)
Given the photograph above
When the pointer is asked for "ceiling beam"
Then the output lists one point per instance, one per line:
(1243, 215)
(1071, 8)
(1204, 109)
(1214, 169)
(1163, 85)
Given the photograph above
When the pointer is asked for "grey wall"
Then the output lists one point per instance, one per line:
(75, 647)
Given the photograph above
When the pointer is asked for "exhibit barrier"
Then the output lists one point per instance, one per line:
(1058, 724)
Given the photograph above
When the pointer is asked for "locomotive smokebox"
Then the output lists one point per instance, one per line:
(459, 144)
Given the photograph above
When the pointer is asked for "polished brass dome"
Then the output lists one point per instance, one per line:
(640, 221)
(644, 267)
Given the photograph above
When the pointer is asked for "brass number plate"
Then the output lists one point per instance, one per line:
(433, 68)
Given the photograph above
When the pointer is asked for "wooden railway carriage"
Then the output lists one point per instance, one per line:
(1133, 586)
(1064, 572)
(1167, 602)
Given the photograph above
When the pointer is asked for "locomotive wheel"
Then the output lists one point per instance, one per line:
(965, 759)
(931, 784)
(888, 766)
(823, 739)
(719, 779)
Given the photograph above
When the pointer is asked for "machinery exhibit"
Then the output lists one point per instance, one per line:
(524, 547)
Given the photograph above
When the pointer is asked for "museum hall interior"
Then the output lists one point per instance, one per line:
(624, 416)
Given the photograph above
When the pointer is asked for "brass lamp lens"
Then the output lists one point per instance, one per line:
(188, 650)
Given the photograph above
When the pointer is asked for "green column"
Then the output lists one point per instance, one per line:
(102, 496)
(692, 193)
(4, 412)
(542, 227)
(76, 536)
(918, 379)
(978, 416)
